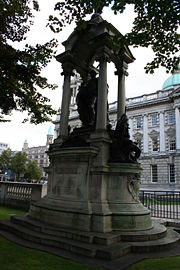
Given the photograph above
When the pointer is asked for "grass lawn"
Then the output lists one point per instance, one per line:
(5, 212)
(168, 263)
(15, 257)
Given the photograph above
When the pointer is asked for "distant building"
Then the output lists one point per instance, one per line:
(154, 122)
(3, 146)
(38, 153)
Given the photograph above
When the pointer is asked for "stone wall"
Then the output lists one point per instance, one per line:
(20, 195)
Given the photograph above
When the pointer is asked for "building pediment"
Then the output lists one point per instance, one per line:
(138, 136)
(154, 134)
(170, 132)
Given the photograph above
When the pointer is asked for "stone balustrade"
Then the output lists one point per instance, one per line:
(20, 195)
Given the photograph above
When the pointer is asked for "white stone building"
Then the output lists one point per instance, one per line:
(38, 153)
(154, 122)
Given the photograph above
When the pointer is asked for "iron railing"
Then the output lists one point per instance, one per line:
(162, 204)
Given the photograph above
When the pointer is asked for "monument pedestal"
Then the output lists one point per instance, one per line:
(85, 196)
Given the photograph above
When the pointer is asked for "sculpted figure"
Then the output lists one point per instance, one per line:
(122, 148)
(86, 100)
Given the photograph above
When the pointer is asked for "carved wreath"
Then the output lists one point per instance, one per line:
(133, 183)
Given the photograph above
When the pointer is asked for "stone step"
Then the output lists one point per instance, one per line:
(157, 232)
(176, 229)
(88, 250)
(170, 240)
(54, 231)
(77, 247)
(86, 237)
(114, 251)
(108, 252)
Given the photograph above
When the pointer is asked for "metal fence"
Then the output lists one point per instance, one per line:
(163, 204)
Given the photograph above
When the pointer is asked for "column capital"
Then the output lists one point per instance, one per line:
(122, 70)
(103, 53)
(67, 69)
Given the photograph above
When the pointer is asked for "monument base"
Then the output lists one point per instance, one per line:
(91, 198)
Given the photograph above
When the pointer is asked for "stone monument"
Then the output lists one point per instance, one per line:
(93, 182)
(94, 176)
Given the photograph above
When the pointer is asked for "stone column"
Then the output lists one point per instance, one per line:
(101, 121)
(66, 97)
(121, 105)
(145, 134)
(162, 132)
(177, 116)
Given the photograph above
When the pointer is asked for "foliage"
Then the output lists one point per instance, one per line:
(18, 164)
(33, 171)
(21, 69)
(156, 25)
(5, 159)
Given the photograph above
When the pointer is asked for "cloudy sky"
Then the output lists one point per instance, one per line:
(137, 83)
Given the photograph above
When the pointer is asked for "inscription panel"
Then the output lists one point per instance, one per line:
(69, 183)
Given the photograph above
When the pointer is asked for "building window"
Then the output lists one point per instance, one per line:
(171, 118)
(138, 122)
(154, 119)
(172, 144)
(154, 173)
(155, 147)
(171, 173)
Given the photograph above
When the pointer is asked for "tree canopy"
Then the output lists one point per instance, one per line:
(156, 25)
(5, 160)
(21, 69)
(33, 171)
(18, 164)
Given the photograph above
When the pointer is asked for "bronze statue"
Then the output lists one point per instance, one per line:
(86, 100)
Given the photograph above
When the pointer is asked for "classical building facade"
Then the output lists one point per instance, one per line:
(154, 123)
(38, 153)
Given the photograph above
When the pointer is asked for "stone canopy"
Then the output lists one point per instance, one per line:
(99, 41)
(84, 46)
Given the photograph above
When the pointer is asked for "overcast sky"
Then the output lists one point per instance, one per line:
(137, 83)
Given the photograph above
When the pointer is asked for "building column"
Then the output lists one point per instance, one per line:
(145, 135)
(101, 121)
(177, 116)
(130, 121)
(121, 98)
(162, 132)
(66, 97)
